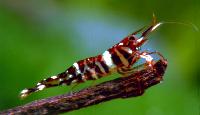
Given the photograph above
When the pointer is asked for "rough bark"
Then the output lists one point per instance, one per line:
(123, 87)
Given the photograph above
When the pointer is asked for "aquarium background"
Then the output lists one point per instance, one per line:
(42, 38)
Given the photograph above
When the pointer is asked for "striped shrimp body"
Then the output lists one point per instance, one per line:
(119, 58)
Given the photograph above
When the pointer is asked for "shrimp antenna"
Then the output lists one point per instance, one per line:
(182, 23)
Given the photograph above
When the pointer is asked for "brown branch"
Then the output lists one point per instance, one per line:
(123, 87)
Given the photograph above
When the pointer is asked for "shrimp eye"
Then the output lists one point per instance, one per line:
(132, 37)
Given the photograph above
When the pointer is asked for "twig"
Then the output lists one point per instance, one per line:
(124, 87)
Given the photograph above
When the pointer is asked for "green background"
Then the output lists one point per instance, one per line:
(43, 38)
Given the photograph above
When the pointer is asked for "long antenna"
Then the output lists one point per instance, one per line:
(182, 23)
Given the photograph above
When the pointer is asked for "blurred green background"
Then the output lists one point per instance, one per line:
(42, 38)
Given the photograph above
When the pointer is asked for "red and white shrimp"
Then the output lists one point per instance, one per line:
(119, 58)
